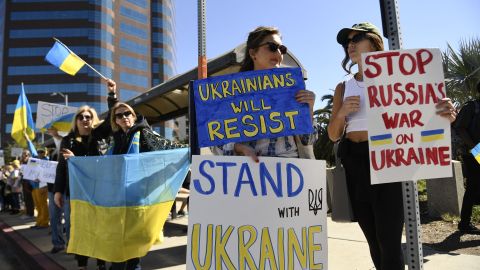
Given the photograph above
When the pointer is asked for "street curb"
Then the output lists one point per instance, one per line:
(30, 255)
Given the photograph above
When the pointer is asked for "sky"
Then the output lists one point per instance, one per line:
(309, 29)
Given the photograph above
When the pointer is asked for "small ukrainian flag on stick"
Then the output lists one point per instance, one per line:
(476, 152)
(66, 60)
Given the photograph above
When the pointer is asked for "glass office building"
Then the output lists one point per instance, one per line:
(130, 41)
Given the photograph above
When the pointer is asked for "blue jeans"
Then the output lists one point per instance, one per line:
(66, 214)
(55, 221)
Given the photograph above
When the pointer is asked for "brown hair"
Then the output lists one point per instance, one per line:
(375, 40)
(255, 38)
(114, 125)
(80, 110)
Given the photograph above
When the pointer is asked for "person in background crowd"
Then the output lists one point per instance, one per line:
(468, 127)
(27, 190)
(265, 50)
(4, 192)
(58, 241)
(377, 208)
(40, 196)
(79, 142)
(3, 183)
(15, 184)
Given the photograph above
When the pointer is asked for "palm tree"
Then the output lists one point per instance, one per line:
(462, 70)
(323, 147)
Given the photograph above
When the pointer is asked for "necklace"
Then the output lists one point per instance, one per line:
(358, 80)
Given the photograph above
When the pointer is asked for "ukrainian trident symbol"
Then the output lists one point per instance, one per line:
(315, 200)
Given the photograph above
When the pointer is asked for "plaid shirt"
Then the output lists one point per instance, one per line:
(273, 147)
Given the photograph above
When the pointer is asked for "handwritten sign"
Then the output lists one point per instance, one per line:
(407, 139)
(40, 169)
(47, 112)
(250, 105)
(16, 151)
(2, 159)
(266, 215)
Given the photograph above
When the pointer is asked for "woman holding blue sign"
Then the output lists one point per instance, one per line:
(377, 208)
(265, 50)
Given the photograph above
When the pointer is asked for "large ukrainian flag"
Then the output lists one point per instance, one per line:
(63, 58)
(119, 203)
(23, 121)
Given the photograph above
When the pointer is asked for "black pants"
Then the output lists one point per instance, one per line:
(83, 260)
(28, 199)
(132, 264)
(377, 208)
(472, 190)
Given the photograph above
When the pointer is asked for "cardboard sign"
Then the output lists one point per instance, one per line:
(47, 112)
(40, 169)
(251, 105)
(407, 139)
(266, 215)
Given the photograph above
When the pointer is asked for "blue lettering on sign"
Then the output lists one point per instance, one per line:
(263, 177)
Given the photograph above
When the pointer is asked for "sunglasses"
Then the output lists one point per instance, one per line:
(125, 114)
(84, 117)
(273, 47)
(355, 39)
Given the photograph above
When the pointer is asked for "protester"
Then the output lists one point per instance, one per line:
(377, 208)
(7, 192)
(265, 50)
(125, 124)
(40, 196)
(3, 183)
(468, 127)
(27, 190)
(79, 142)
(58, 241)
(14, 182)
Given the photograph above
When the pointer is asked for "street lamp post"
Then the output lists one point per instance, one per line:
(65, 96)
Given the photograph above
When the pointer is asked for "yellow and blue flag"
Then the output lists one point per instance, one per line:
(432, 135)
(119, 203)
(32, 148)
(134, 147)
(63, 58)
(62, 123)
(381, 139)
(476, 152)
(22, 121)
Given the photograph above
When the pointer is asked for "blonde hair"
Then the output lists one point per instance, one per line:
(113, 124)
(80, 110)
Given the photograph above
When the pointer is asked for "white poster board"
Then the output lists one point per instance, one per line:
(47, 112)
(40, 169)
(270, 214)
(2, 158)
(16, 151)
(407, 139)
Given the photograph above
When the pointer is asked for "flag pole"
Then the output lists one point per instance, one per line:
(92, 68)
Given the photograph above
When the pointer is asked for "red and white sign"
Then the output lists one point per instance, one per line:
(407, 139)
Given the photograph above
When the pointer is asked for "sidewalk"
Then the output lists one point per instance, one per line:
(347, 248)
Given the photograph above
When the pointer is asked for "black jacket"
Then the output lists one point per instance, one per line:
(92, 145)
(122, 140)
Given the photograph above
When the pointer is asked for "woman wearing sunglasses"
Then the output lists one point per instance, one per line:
(81, 141)
(125, 123)
(265, 50)
(377, 208)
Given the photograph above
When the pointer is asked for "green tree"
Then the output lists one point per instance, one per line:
(323, 147)
(462, 70)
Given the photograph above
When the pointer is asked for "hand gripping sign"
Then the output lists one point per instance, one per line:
(407, 139)
(251, 105)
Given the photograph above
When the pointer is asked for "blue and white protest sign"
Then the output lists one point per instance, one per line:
(266, 215)
(251, 105)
